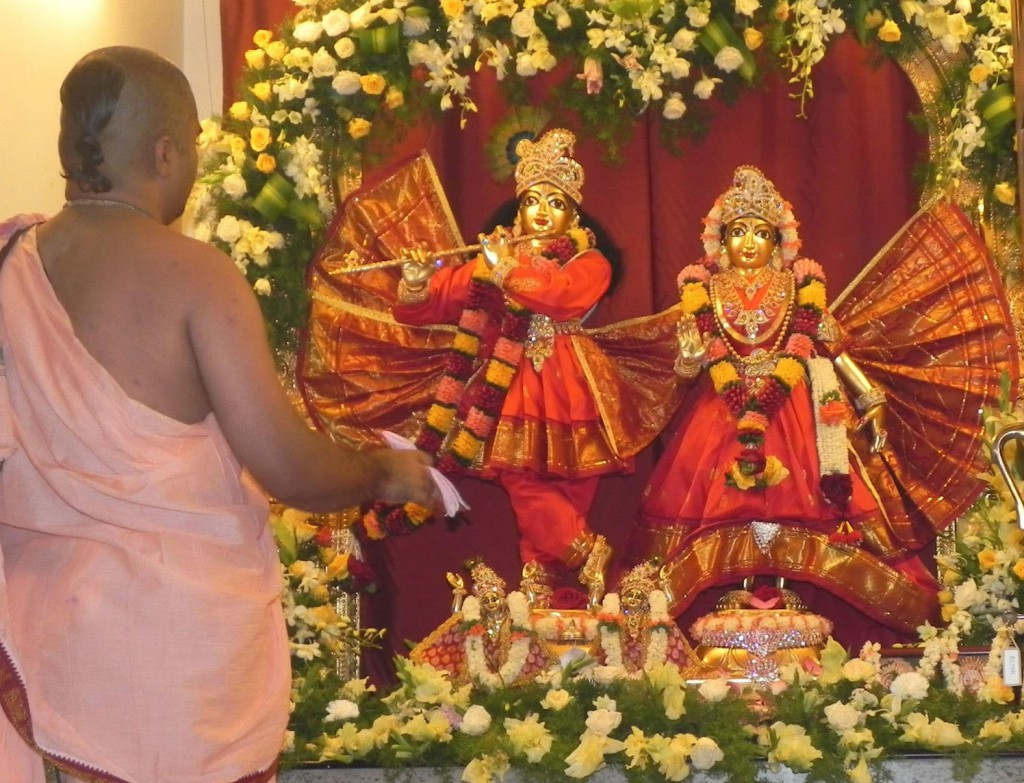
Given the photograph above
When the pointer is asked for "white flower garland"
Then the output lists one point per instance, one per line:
(831, 439)
(657, 643)
(518, 651)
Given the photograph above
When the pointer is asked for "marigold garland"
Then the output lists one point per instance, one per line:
(458, 443)
(755, 407)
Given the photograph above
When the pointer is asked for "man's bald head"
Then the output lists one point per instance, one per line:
(115, 103)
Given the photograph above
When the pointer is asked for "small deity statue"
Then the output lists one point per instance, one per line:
(489, 641)
(536, 427)
(636, 630)
(759, 478)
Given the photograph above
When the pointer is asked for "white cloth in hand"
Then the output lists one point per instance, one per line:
(450, 496)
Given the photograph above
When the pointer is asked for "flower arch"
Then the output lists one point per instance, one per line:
(340, 74)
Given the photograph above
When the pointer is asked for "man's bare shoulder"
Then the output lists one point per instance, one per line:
(198, 267)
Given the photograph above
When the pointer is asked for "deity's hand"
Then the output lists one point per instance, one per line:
(496, 249)
(692, 348)
(875, 419)
(417, 271)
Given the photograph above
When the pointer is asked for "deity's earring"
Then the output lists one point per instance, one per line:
(723, 258)
(517, 227)
(776, 259)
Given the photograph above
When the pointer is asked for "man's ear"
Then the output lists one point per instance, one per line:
(165, 153)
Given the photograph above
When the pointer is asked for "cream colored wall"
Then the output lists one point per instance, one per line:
(39, 42)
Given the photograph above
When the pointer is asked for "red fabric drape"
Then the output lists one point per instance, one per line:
(846, 168)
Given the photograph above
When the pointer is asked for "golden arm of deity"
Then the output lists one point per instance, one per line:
(458, 590)
(692, 348)
(868, 399)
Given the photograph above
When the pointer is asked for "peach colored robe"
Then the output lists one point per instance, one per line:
(141, 631)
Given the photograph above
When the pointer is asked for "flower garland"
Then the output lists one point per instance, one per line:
(754, 407)
(657, 625)
(458, 443)
(519, 643)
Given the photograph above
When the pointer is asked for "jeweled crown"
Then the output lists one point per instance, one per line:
(752, 194)
(643, 577)
(549, 159)
(485, 580)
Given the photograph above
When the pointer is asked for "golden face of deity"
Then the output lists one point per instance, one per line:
(492, 603)
(633, 601)
(749, 242)
(544, 209)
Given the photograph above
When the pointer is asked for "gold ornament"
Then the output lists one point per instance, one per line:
(643, 577)
(752, 195)
(549, 159)
(485, 580)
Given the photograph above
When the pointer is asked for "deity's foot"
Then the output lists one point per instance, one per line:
(592, 575)
(537, 584)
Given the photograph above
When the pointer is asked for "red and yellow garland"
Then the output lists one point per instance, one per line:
(458, 442)
(754, 407)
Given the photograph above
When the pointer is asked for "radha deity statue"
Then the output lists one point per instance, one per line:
(533, 422)
(636, 631)
(760, 478)
(489, 640)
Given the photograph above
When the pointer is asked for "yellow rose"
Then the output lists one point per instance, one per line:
(812, 294)
(394, 98)
(237, 144)
(753, 38)
(338, 567)
(980, 73)
(1005, 193)
(358, 127)
(262, 91)
(889, 32)
(945, 596)
(774, 471)
(694, 297)
(741, 479)
(556, 699)
(452, 8)
(256, 59)
(240, 110)
(266, 163)
(259, 138)
(948, 612)
(873, 19)
(1018, 569)
(372, 83)
(276, 50)
(722, 374)
(986, 559)
(262, 37)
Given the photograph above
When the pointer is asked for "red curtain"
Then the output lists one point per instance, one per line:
(846, 168)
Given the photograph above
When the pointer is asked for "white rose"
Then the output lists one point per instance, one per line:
(347, 83)
(228, 229)
(909, 685)
(684, 40)
(675, 107)
(339, 709)
(704, 88)
(525, 65)
(324, 63)
(603, 722)
(523, 24)
(476, 721)
(605, 675)
(728, 58)
(345, 48)
(679, 68)
(234, 185)
(336, 22)
(307, 32)
(842, 717)
(714, 690)
(705, 753)
(747, 7)
(698, 17)
(262, 287)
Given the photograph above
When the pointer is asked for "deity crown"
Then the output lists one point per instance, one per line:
(752, 194)
(485, 580)
(549, 159)
(643, 577)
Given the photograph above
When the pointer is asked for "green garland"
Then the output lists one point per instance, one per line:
(341, 74)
